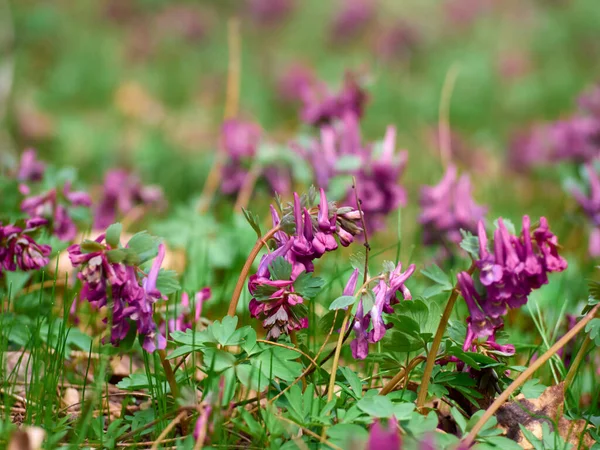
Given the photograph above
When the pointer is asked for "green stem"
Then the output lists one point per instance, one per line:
(576, 362)
(437, 340)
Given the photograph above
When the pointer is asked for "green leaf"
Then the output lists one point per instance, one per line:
(192, 338)
(470, 244)
(307, 285)
(144, 245)
(167, 282)
(116, 255)
(342, 302)
(88, 246)
(376, 406)
(181, 351)
(593, 328)
(113, 235)
(217, 360)
(437, 275)
(353, 381)
(533, 388)
(224, 330)
(280, 269)
(251, 377)
(459, 419)
(253, 220)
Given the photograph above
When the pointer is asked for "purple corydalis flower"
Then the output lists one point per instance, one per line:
(385, 297)
(19, 250)
(447, 208)
(295, 83)
(508, 274)
(398, 42)
(122, 191)
(51, 206)
(202, 423)
(314, 235)
(132, 301)
(384, 438)
(377, 182)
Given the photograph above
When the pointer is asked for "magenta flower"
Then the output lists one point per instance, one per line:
(295, 83)
(132, 298)
(275, 300)
(189, 314)
(53, 206)
(321, 106)
(508, 274)
(122, 191)
(385, 438)
(591, 206)
(385, 297)
(30, 169)
(447, 208)
(19, 250)
(378, 182)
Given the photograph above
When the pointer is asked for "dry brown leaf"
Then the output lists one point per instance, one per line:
(532, 413)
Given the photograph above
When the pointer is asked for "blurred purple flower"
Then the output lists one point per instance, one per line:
(321, 106)
(123, 191)
(591, 206)
(384, 438)
(268, 12)
(447, 208)
(463, 13)
(275, 301)
(189, 314)
(398, 42)
(508, 274)
(19, 250)
(576, 139)
(295, 83)
(30, 168)
(385, 297)
(351, 19)
(377, 182)
(202, 423)
(52, 206)
(240, 141)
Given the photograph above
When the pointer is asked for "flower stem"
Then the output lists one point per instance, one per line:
(400, 375)
(169, 373)
(576, 362)
(437, 340)
(336, 360)
(247, 265)
(528, 373)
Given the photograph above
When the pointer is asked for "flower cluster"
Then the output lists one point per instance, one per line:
(377, 174)
(279, 286)
(320, 106)
(591, 206)
(103, 268)
(507, 275)
(19, 250)
(122, 191)
(575, 139)
(241, 140)
(54, 206)
(370, 327)
(447, 208)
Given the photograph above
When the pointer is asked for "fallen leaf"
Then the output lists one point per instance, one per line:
(532, 413)
(27, 438)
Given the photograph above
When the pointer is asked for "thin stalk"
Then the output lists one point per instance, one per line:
(437, 340)
(336, 360)
(247, 265)
(231, 109)
(576, 362)
(400, 375)
(168, 429)
(169, 373)
(528, 373)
